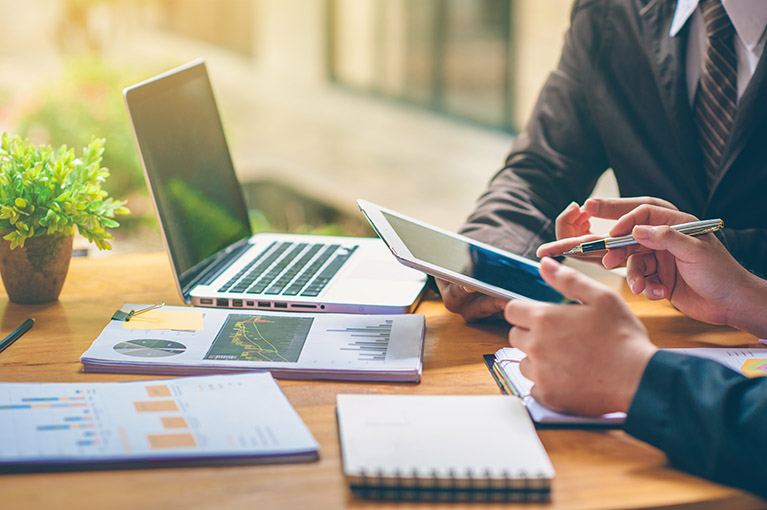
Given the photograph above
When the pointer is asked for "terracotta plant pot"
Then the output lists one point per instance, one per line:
(35, 273)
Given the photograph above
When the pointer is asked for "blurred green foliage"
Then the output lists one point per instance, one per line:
(86, 103)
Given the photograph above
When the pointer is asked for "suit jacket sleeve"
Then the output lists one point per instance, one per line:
(708, 420)
(558, 159)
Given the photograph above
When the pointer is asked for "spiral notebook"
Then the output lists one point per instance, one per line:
(443, 448)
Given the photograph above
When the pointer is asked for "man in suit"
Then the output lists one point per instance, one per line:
(635, 91)
(708, 419)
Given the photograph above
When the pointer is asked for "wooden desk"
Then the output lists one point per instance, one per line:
(595, 469)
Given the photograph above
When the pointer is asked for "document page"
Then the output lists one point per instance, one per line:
(322, 346)
(214, 417)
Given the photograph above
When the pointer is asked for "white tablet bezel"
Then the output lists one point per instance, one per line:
(374, 214)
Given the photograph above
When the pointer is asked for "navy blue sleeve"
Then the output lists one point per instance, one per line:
(708, 420)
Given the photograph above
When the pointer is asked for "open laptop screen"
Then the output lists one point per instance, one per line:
(186, 158)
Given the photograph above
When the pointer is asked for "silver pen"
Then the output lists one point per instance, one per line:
(694, 228)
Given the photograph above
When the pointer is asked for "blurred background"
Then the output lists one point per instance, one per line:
(409, 103)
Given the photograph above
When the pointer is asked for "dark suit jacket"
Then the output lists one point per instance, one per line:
(618, 99)
(708, 419)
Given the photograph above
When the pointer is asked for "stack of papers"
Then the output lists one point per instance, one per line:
(51, 426)
(185, 340)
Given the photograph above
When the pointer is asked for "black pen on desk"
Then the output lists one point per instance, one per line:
(16, 334)
(694, 228)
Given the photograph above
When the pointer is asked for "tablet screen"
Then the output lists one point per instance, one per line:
(507, 272)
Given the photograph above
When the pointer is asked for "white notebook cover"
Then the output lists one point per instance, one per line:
(455, 441)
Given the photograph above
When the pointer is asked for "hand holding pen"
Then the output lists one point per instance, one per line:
(693, 228)
(573, 224)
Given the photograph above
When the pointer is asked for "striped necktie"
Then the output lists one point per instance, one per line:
(715, 104)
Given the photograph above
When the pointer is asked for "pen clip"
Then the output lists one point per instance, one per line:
(708, 230)
(120, 315)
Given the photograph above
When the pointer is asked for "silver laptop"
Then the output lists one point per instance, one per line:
(216, 260)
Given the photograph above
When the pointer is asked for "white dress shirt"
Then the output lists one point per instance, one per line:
(749, 17)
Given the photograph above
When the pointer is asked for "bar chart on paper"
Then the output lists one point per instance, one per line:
(371, 342)
(287, 344)
(148, 420)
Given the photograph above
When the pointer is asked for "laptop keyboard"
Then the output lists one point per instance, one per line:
(290, 269)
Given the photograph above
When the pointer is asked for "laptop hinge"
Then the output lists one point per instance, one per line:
(215, 265)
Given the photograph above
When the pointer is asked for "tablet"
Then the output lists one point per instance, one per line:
(459, 259)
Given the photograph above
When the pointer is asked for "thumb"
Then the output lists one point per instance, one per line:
(663, 237)
(570, 282)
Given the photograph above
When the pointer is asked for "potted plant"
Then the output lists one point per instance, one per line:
(44, 195)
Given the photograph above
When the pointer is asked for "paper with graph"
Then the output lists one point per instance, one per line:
(749, 362)
(221, 418)
(290, 345)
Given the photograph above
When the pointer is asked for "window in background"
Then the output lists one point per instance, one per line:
(453, 56)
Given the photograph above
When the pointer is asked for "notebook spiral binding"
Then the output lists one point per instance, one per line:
(468, 486)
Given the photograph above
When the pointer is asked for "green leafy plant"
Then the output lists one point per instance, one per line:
(45, 192)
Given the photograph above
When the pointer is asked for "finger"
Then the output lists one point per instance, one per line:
(479, 306)
(666, 238)
(453, 293)
(638, 268)
(519, 313)
(615, 257)
(583, 217)
(655, 290)
(614, 208)
(519, 337)
(564, 224)
(649, 215)
(662, 284)
(559, 247)
(527, 368)
(570, 282)
(569, 213)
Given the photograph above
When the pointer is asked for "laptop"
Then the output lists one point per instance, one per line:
(216, 259)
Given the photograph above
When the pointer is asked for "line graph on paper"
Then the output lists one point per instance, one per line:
(260, 338)
(370, 342)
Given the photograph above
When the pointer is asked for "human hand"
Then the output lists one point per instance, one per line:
(593, 365)
(573, 226)
(696, 273)
(471, 305)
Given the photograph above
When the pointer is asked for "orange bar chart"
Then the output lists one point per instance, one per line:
(155, 406)
(164, 441)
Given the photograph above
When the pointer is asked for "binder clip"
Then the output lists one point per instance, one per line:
(120, 315)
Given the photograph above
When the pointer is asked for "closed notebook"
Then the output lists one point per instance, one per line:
(436, 447)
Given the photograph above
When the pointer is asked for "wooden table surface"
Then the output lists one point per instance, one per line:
(595, 469)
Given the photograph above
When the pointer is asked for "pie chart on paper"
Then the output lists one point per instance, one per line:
(150, 348)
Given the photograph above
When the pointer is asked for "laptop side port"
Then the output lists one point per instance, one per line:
(222, 302)
(306, 307)
(264, 304)
(206, 301)
(280, 305)
(237, 303)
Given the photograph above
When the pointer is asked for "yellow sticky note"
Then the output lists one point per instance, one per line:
(185, 320)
